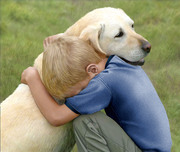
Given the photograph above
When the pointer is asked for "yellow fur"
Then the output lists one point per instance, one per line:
(23, 127)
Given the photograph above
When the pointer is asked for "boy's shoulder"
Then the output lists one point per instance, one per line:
(109, 74)
(118, 71)
(114, 66)
(115, 61)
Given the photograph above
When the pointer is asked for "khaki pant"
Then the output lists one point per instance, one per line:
(99, 133)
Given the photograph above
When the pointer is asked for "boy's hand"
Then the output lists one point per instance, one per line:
(50, 39)
(29, 74)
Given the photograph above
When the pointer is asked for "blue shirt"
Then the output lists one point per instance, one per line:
(129, 98)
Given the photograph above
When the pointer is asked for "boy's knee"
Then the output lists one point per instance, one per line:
(85, 118)
(80, 123)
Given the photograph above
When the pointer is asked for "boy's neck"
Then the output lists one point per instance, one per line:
(101, 65)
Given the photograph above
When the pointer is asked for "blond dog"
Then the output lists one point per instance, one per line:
(23, 128)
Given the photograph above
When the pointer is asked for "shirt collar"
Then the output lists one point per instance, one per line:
(109, 59)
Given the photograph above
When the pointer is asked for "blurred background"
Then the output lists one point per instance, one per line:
(25, 24)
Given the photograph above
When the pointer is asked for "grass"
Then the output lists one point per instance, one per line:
(24, 25)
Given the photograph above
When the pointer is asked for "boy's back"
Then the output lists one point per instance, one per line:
(130, 99)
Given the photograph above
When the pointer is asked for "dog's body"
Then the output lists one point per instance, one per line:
(23, 127)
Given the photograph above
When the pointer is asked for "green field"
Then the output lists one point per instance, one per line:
(25, 24)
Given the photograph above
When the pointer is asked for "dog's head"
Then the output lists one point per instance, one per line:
(112, 32)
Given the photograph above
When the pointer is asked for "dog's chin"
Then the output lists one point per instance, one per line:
(140, 62)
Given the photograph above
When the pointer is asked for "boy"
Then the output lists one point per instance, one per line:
(123, 90)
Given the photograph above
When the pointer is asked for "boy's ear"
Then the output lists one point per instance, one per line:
(92, 70)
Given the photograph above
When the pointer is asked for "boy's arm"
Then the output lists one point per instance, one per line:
(54, 113)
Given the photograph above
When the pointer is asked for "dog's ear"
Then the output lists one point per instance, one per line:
(92, 34)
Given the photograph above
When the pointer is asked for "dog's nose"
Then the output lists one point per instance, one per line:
(146, 46)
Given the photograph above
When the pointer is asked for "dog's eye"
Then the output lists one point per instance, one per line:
(120, 34)
(132, 25)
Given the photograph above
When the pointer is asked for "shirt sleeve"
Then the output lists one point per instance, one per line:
(95, 97)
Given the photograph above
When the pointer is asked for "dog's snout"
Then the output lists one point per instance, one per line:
(146, 46)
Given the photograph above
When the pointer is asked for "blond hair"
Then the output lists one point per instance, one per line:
(64, 64)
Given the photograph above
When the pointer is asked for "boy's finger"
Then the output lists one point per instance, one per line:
(45, 42)
(50, 39)
(22, 77)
